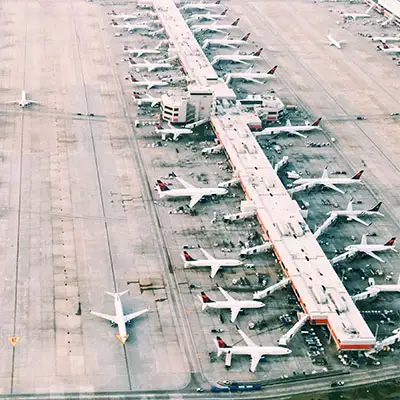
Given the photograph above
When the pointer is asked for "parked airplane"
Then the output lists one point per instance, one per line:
(149, 66)
(207, 17)
(239, 58)
(353, 215)
(290, 129)
(148, 100)
(214, 263)
(148, 84)
(202, 6)
(216, 27)
(132, 16)
(385, 39)
(230, 302)
(143, 51)
(195, 194)
(368, 249)
(120, 318)
(232, 43)
(133, 27)
(358, 15)
(252, 349)
(390, 50)
(250, 76)
(24, 102)
(334, 42)
(308, 183)
(176, 132)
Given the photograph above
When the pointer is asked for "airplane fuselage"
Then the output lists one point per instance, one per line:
(141, 52)
(217, 262)
(358, 213)
(330, 181)
(194, 192)
(213, 28)
(149, 84)
(151, 67)
(249, 75)
(201, 6)
(238, 303)
(286, 129)
(385, 39)
(119, 312)
(259, 351)
(235, 58)
(369, 247)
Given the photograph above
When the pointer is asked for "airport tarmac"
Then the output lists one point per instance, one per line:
(74, 204)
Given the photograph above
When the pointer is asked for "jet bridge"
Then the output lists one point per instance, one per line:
(328, 222)
(379, 346)
(288, 336)
(269, 290)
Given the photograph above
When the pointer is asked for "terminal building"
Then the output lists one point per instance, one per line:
(319, 290)
(389, 8)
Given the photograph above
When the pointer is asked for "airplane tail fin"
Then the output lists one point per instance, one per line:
(224, 12)
(205, 300)
(377, 207)
(258, 52)
(384, 45)
(117, 294)
(272, 70)
(317, 122)
(188, 257)
(245, 37)
(133, 79)
(236, 22)
(221, 345)
(162, 186)
(132, 61)
(357, 176)
(114, 22)
(218, 2)
(391, 242)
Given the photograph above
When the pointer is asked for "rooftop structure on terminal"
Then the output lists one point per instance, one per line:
(316, 284)
(191, 56)
(389, 8)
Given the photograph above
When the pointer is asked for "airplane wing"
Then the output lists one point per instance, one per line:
(255, 359)
(373, 255)
(194, 200)
(184, 183)
(248, 341)
(333, 187)
(342, 257)
(240, 62)
(215, 30)
(253, 80)
(353, 218)
(134, 315)
(234, 313)
(226, 294)
(298, 134)
(214, 270)
(111, 318)
(207, 255)
(150, 86)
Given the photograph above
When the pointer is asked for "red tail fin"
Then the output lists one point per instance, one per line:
(357, 176)
(224, 12)
(391, 242)
(133, 79)
(245, 37)
(272, 70)
(317, 122)
(136, 95)
(162, 185)
(384, 45)
(222, 344)
(132, 61)
(235, 23)
(188, 257)
(258, 52)
(205, 298)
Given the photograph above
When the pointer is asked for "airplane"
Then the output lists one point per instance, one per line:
(334, 42)
(239, 58)
(176, 132)
(232, 43)
(149, 66)
(368, 249)
(390, 50)
(210, 261)
(290, 129)
(235, 305)
(119, 318)
(202, 6)
(216, 27)
(143, 51)
(147, 84)
(149, 100)
(132, 27)
(308, 183)
(207, 17)
(132, 16)
(358, 15)
(252, 349)
(385, 39)
(24, 102)
(195, 194)
(250, 76)
(353, 215)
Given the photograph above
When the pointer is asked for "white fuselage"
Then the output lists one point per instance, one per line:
(207, 16)
(354, 213)
(234, 58)
(141, 52)
(368, 247)
(153, 101)
(334, 42)
(149, 84)
(329, 181)
(392, 50)
(237, 303)
(201, 6)
(220, 262)
(355, 16)
(213, 28)
(288, 129)
(260, 351)
(223, 42)
(119, 312)
(386, 39)
(193, 192)
(249, 75)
